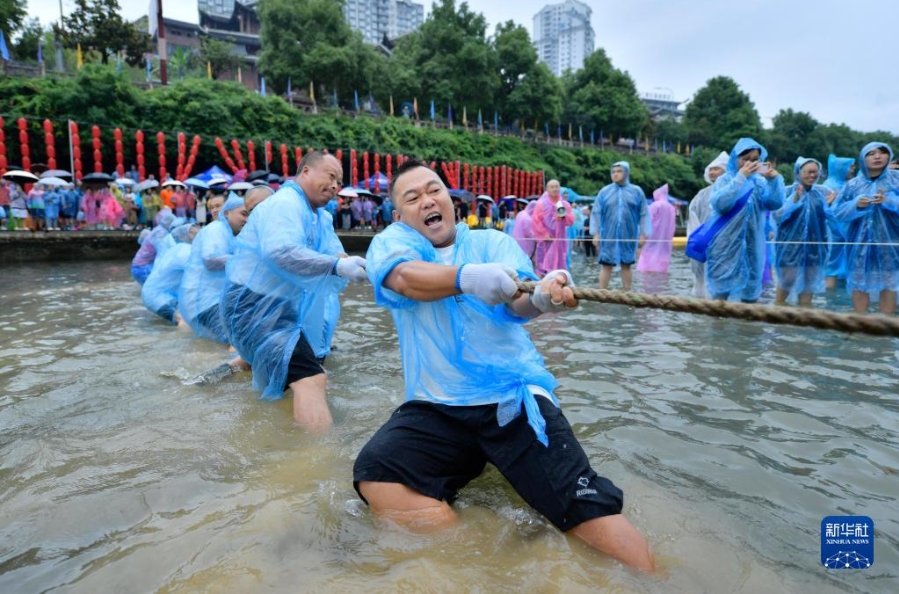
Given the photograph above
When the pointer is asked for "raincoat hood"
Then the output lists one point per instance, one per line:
(837, 170)
(661, 194)
(720, 162)
(743, 145)
(234, 201)
(800, 163)
(627, 170)
(181, 233)
(862, 166)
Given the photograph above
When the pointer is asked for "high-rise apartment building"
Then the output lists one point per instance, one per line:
(216, 7)
(563, 35)
(377, 18)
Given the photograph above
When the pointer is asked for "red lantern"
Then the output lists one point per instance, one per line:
(465, 171)
(268, 153)
(23, 142)
(251, 155)
(377, 171)
(48, 140)
(339, 156)
(284, 169)
(236, 147)
(98, 156)
(354, 168)
(298, 156)
(389, 167)
(194, 148)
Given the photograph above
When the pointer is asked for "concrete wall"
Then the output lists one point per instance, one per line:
(21, 247)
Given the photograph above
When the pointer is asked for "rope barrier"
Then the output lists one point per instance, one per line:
(876, 325)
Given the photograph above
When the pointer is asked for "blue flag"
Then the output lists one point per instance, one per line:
(495, 121)
(559, 130)
(262, 87)
(546, 127)
(356, 99)
(449, 112)
(40, 51)
(432, 110)
(4, 51)
(149, 67)
(288, 87)
(580, 133)
(600, 137)
(655, 145)
(592, 138)
(480, 120)
(335, 97)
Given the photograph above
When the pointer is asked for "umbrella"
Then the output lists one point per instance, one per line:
(238, 186)
(21, 177)
(464, 195)
(274, 178)
(56, 173)
(214, 172)
(97, 177)
(259, 174)
(522, 201)
(146, 185)
(53, 182)
(196, 182)
(172, 182)
(348, 192)
(218, 181)
(485, 197)
(125, 181)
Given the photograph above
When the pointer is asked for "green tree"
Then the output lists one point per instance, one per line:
(604, 98)
(720, 114)
(181, 60)
(12, 16)
(528, 91)
(220, 56)
(793, 136)
(670, 131)
(448, 60)
(97, 25)
(297, 33)
(25, 46)
(351, 67)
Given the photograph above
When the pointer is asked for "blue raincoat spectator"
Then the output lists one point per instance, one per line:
(160, 292)
(204, 276)
(869, 205)
(801, 247)
(387, 211)
(700, 210)
(280, 304)
(52, 202)
(838, 171)
(736, 255)
(620, 218)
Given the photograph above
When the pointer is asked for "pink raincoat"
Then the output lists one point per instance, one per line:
(551, 232)
(656, 254)
(523, 231)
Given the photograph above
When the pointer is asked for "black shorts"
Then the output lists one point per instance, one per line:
(602, 263)
(437, 449)
(303, 362)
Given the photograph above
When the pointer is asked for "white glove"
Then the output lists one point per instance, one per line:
(352, 268)
(491, 283)
(542, 300)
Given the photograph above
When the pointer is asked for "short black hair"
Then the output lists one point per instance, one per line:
(408, 165)
(311, 158)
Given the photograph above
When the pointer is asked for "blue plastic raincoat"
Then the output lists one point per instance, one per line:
(873, 231)
(204, 276)
(620, 215)
(281, 282)
(459, 350)
(800, 254)
(160, 291)
(837, 170)
(736, 255)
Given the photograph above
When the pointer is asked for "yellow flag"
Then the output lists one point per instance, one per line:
(79, 59)
(391, 105)
(415, 106)
(678, 146)
(464, 116)
(311, 92)
(569, 131)
(209, 70)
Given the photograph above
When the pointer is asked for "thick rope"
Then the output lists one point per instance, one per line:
(877, 325)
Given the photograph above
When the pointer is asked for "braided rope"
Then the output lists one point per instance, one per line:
(877, 325)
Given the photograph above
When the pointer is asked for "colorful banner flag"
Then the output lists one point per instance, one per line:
(262, 86)
(432, 110)
(415, 106)
(40, 51)
(239, 75)
(495, 121)
(4, 51)
(592, 136)
(79, 57)
(209, 70)
(149, 68)
(464, 116)
(391, 105)
(480, 121)
(356, 99)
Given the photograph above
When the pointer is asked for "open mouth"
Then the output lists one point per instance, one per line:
(433, 219)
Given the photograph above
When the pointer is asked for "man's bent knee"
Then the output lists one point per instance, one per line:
(406, 507)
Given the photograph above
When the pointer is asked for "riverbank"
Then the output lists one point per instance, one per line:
(23, 247)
